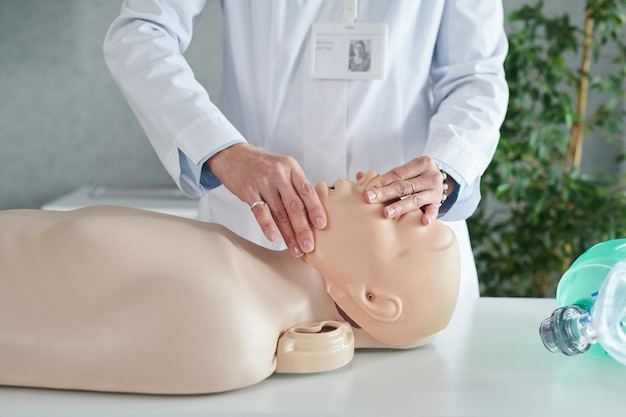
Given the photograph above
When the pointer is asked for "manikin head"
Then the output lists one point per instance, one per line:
(396, 278)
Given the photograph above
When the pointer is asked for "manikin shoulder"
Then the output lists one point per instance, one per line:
(176, 296)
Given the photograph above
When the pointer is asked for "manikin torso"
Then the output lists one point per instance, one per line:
(119, 299)
(200, 311)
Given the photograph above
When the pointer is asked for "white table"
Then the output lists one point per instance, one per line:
(489, 362)
(168, 200)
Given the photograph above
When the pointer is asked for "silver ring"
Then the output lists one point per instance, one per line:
(256, 203)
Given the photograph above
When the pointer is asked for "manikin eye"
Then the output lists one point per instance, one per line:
(370, 296)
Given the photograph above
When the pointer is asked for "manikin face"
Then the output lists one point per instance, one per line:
(396, 278)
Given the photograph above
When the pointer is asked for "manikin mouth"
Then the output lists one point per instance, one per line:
(346, 317)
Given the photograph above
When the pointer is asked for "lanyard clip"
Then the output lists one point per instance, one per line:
(349, 13)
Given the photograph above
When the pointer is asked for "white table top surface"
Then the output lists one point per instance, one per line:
(168, 200)
(488, 362)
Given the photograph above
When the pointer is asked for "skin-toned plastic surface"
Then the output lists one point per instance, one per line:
(124, 300)
(396, 278)
(315, 347)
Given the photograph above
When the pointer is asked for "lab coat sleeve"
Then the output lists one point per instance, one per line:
(470, 95)
(144, 49)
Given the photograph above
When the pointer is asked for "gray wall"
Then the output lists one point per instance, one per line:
(63, 121)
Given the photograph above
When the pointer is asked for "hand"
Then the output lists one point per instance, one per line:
(418, 184)
(291, 201)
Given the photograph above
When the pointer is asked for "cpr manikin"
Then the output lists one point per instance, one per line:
(124, 300)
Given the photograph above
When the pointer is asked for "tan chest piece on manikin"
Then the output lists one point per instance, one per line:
(315, 347)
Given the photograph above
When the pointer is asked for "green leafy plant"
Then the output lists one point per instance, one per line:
(539, 211)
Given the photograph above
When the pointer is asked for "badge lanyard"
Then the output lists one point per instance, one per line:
(349, 50)
(350, 12)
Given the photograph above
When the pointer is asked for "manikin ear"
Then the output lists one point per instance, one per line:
(379, 305)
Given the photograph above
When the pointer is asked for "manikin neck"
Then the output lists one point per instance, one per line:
(300, 276)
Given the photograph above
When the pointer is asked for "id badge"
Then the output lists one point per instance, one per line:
(349, 53)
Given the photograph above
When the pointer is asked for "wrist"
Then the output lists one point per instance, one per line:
(451, 194)
(217, 162)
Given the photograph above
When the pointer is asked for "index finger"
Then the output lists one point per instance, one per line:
(293, 219)
(378, 188)
(411, 169)
(314, 208)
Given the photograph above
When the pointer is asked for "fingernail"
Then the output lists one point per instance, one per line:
(296, 251)
(390, 212)
(319, 222)
(308, 246)
(371, 196)
(273, 237)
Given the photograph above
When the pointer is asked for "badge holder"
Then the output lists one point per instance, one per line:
(349, 51)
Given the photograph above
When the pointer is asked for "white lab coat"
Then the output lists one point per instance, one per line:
(444, 95)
